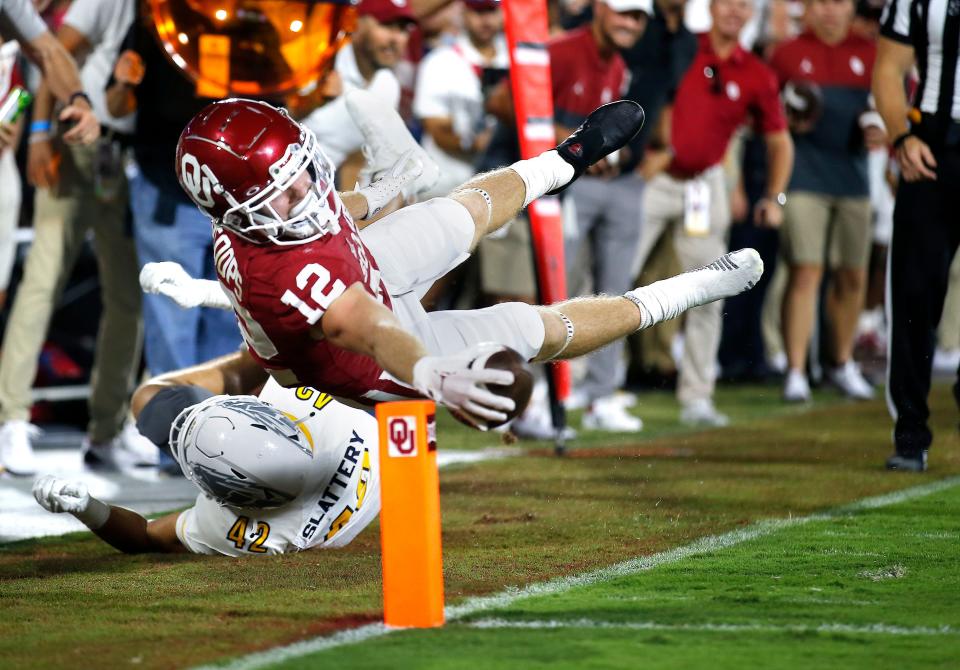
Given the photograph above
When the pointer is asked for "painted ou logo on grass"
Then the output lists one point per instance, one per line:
(194, 181)
(402, 436)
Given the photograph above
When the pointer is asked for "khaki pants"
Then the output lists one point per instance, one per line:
(948, 333)
(61, 222)
(608, 216)
(663, 207)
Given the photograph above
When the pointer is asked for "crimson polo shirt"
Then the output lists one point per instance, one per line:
(830, 158)
(708, 110)
(582, 79)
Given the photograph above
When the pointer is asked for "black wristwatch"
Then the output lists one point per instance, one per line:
(79, 94)
(900, 139)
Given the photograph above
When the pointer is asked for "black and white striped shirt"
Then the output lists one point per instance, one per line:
(932, 28)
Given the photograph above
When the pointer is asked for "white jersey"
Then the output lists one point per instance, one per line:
(328, 516)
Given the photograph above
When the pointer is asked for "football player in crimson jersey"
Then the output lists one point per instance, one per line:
(332, 301)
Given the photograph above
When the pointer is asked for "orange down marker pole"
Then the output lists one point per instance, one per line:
(412, 555)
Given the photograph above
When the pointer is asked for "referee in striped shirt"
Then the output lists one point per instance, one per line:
(926, 221)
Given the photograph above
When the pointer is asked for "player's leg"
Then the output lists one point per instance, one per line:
(579, 326)
(495, 198)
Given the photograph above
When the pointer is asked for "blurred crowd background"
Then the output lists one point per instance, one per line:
(760, 132)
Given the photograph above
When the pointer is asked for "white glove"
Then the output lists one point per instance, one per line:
(170, 279)
(451, 381)
(382, 191)
(59, 495)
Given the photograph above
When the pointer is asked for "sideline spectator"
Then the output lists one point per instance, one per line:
(378, 44)
(19, 19)
(925, 230)
(686, 193)
(10, 185)
(587, 70)
(79, 189)
(656, 65)
(829, 196)
(449, 99)
(166, 224)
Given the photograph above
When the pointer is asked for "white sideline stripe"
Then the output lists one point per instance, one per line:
(511, 595)
(862, 629)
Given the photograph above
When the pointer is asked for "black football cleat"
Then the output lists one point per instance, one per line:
(908, 462)
(607, 128)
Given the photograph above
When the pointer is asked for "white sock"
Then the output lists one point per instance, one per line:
(664, 300)
(541, 174)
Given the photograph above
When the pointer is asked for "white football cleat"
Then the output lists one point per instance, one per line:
(386, 140)
(796, 388)
(16, 448)
(851, 381)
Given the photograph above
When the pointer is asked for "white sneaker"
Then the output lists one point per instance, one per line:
(127, 450)
(778, 363)
(536, 422)
(610, 414)
(796, 388)
(538, 427)
(579, 399)
(946, 361)
(730, 275)
(146, 453)
(386, 139)
(851, 381)
(16, 448)
(701, 412)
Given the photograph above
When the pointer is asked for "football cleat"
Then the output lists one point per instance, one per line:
(386, 140)
(607, 129)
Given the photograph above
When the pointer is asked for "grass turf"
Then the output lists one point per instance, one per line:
(75, 601)
(873, 589)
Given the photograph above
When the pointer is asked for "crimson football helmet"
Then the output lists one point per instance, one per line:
(236, 156)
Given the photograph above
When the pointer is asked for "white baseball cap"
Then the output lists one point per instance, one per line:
(645, 6)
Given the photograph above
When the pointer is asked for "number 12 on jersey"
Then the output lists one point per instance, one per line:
(322, 292)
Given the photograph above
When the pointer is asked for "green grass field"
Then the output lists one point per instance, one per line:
(864, 587)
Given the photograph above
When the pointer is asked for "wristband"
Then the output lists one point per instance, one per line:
(40, 126)
(900, 139)
(79, 94)
(96, 514)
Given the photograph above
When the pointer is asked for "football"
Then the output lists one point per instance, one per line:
(506, 358)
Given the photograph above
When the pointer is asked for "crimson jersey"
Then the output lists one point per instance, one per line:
(279, 294)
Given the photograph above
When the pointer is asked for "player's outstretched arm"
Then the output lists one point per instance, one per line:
(170, 279)
(120, 528)
(358, 322)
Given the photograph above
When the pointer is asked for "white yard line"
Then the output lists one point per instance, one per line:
(509, 596)
(861, 629)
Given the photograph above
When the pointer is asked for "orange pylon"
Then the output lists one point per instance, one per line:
(412, 554)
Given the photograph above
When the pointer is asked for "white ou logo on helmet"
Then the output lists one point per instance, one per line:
(197, 183)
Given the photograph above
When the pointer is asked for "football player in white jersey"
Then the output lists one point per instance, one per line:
(292, 469)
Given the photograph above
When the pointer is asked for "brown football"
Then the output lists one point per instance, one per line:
(521, 388)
